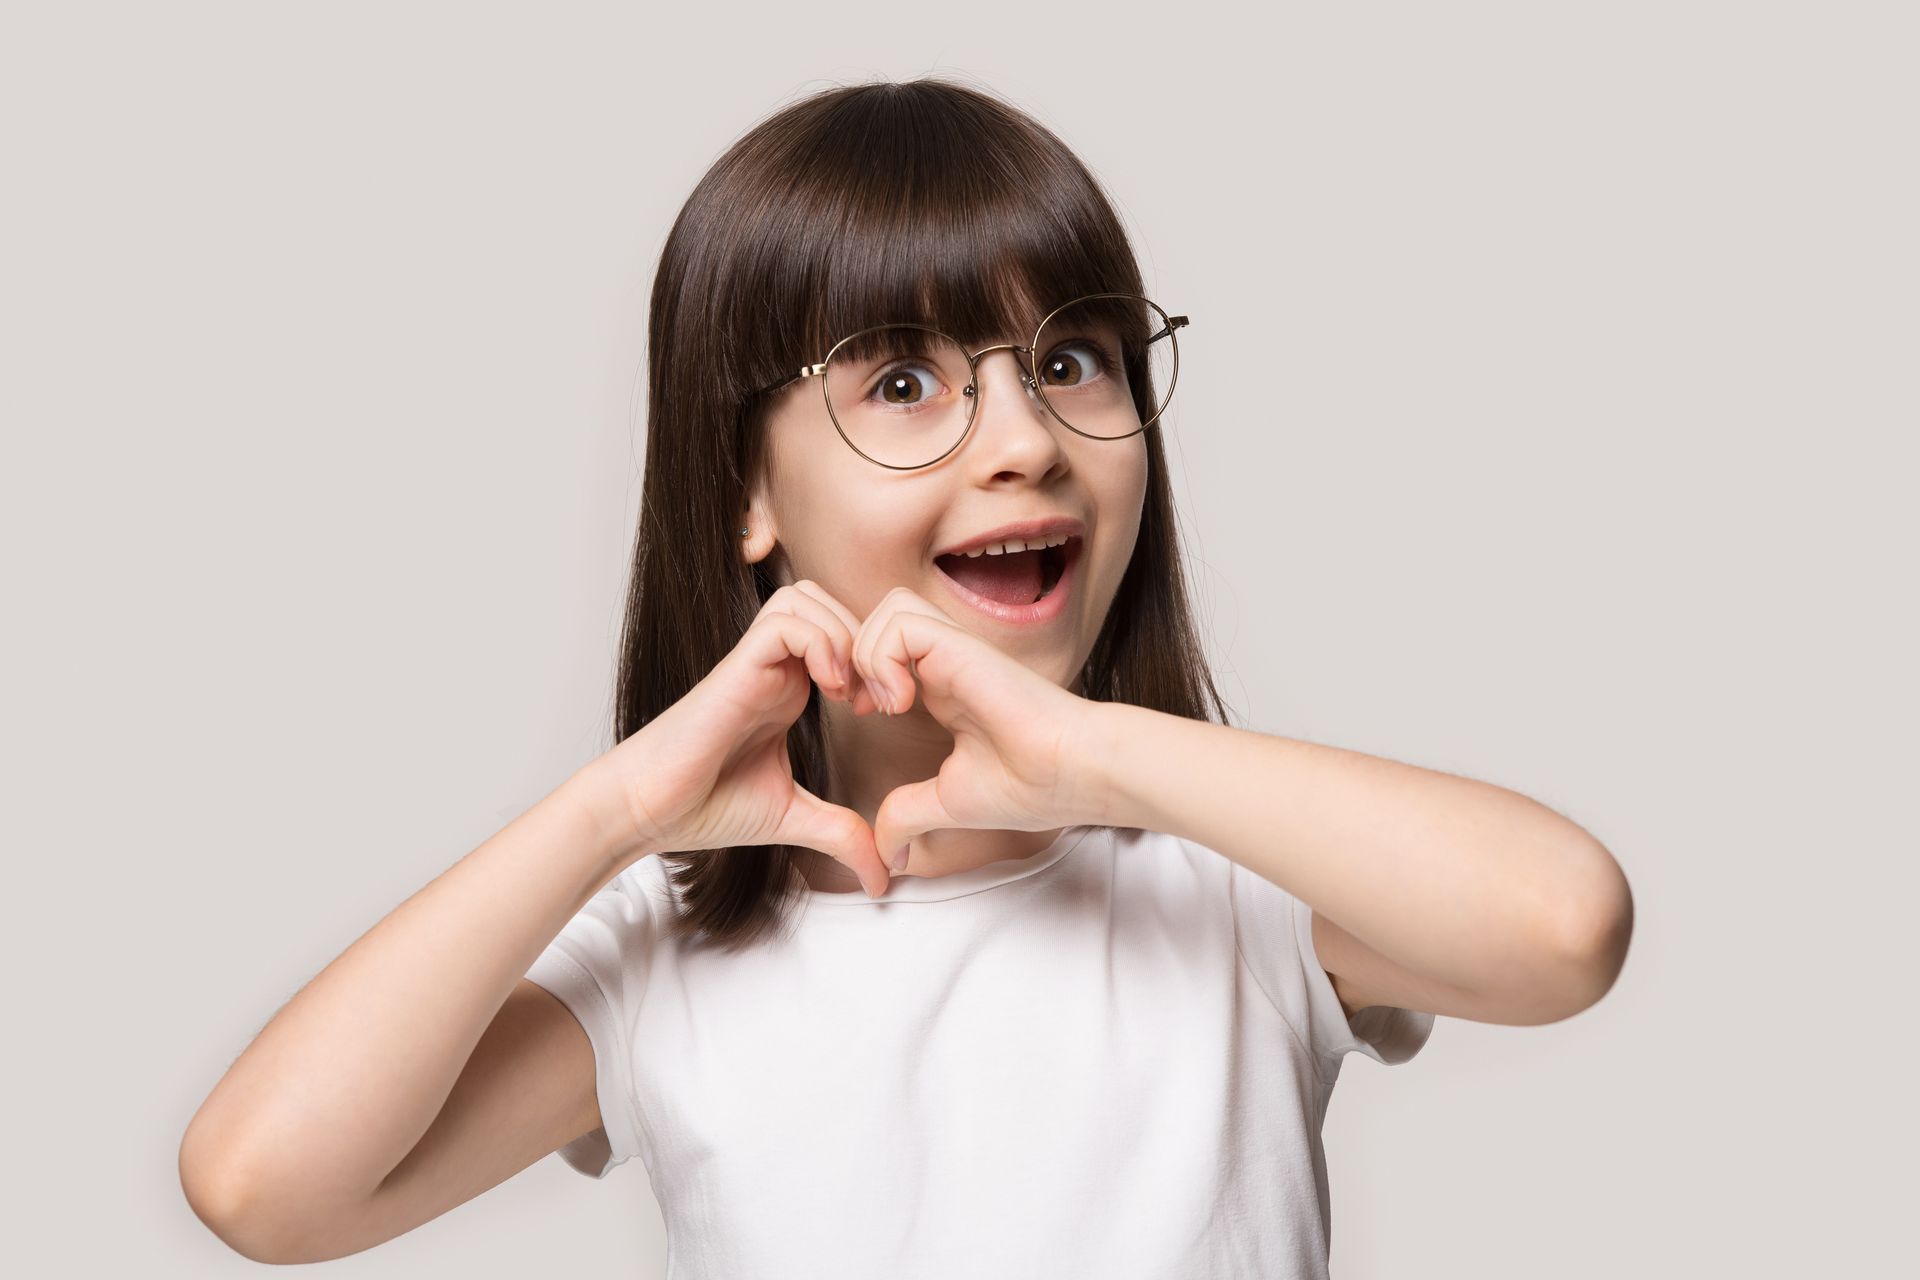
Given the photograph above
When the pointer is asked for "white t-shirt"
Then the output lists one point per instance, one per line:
(1111, 1058)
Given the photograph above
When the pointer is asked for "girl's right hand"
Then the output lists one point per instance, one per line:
(712, 771)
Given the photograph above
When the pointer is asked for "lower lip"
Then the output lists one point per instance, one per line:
(1045, 609)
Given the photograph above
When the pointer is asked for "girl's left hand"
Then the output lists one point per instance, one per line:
(1020, 758)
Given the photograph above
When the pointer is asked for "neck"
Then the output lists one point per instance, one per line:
(866, 759)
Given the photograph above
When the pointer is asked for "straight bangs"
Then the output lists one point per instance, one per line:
(971, 219)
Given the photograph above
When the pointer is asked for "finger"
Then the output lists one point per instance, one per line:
(838, 832)
(865, 697)
(834, 618)
(795, 599)
(863, 644)
(777, 635)
(848, 622)
(887, 657)
(908, 812)
(895, 679)
(906, 640)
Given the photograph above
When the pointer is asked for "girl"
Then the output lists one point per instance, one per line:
(927, 919)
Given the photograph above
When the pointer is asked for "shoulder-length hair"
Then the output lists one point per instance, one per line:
(927, 202)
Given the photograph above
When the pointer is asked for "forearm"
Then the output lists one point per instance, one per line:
(335, 1091)
(1473, 886)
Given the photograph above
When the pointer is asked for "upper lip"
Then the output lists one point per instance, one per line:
(1019, 531)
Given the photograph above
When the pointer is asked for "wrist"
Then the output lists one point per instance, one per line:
(1117, 736)
(1101, 788)
(617, 838)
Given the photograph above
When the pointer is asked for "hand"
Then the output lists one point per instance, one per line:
(1020, 741)
(712, 770)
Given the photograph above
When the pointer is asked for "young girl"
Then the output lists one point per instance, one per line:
(927, 920)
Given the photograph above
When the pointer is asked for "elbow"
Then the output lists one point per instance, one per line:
(1575, 945)
(225, 1202)
(225, 1211)
(1595, 930)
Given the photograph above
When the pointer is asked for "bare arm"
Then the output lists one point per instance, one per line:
(1450, 895)
(301, 1152)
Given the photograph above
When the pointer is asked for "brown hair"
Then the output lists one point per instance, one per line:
(927, 201)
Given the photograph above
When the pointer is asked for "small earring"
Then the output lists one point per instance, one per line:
(743, 533)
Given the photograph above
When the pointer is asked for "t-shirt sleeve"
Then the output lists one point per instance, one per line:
(1274, 931)
(597, 968)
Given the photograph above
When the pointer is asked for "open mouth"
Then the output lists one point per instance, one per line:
(1015, 578)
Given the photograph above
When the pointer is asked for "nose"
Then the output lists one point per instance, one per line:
(1015, 351)
(1001, 436)
(1037, 413)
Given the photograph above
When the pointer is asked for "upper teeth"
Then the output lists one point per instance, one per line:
(1002, 548)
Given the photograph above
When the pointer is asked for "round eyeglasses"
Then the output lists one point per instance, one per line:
(903, 395)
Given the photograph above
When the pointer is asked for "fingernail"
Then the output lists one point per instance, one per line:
(898, 859)
(881, 692)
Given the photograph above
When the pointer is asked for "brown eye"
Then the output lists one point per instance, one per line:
(906, 385)
(1073, 364)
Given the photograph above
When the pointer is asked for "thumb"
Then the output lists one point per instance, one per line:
(836, 831)
(909, 811)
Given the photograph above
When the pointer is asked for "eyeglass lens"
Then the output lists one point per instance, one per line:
(897, 393)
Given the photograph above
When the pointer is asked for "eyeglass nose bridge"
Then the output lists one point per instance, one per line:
(1026, 378)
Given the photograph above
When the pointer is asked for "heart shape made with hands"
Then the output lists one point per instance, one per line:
(1017, 761)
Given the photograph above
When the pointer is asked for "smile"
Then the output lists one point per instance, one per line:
(999, 581)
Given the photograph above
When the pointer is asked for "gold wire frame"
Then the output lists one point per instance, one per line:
(1034, 389)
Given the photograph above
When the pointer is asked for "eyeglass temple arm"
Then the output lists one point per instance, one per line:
(1173, 322)
(808, 371)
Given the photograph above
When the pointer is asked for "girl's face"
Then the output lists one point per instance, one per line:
(859, 530)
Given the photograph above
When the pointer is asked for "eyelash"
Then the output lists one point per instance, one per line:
(1103, 364)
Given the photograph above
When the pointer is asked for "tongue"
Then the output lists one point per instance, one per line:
(1011, 578)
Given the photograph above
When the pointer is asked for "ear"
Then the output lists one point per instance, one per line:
(761, 537)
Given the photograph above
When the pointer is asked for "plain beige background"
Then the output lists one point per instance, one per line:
(1546, 417)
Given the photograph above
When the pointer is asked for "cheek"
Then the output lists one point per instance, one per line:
(860, 542)
(1138, 475)
(1124, 497)
(1117, 480)
(840, 523)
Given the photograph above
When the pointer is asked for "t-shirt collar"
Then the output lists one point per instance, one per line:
(940, 888)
